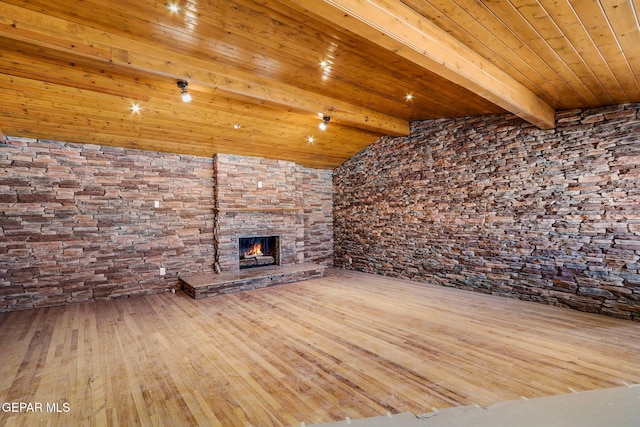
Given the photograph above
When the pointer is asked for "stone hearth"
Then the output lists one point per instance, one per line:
(208, 285)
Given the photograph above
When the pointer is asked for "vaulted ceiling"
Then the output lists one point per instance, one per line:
(262, 73)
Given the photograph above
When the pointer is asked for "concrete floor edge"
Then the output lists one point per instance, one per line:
(619, 406)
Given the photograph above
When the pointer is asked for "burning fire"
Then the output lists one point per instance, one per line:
(255, 250)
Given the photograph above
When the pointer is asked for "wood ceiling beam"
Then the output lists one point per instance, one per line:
(398, 28)
(43, 30)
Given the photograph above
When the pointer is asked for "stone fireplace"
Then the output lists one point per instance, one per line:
(258, 251)
(273, 224)
(282, 206)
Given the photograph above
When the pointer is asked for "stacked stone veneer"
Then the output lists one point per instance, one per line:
(494, 204)
(79, 222)
(294, 203)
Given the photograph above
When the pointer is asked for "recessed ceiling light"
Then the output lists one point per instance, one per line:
(135, 108)
(173, 7)
(408, 96)
(237, 126)
(310, 139)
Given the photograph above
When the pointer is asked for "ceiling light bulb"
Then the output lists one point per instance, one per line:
(135, 108)
(184, 92)
(310, 140)
(408, 97)
(237, 126)
(324, 123)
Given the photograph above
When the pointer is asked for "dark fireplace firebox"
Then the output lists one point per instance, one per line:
(258, 251)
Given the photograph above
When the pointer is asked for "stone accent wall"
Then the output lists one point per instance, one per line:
(495, 205)
(294, 203)
(79, 222)
(317, 189)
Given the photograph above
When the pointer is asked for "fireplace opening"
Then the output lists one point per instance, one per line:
(258, 251)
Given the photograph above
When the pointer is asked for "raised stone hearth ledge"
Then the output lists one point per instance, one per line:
(210, 284)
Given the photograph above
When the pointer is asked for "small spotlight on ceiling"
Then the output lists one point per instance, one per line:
(135, 108)
(310, 139)
(184, 92)
(325, 122)
(173, 7)
(237, 126)
(408, 96)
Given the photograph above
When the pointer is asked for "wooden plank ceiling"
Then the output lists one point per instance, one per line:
(71, 70)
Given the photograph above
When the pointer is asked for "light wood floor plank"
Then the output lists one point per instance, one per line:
(348, 345)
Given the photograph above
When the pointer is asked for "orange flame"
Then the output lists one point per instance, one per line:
(255, 250)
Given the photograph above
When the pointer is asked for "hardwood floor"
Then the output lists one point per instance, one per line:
(348, 345)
